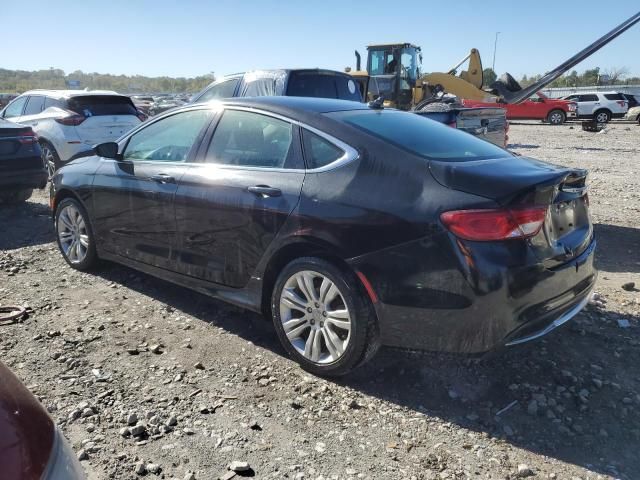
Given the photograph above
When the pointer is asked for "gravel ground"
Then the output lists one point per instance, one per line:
(146, 378)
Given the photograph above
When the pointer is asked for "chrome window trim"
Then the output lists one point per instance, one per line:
(350, 153)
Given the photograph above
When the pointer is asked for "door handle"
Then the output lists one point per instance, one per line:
(163, 178)
(265, 191)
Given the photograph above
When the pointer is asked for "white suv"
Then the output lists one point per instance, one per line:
(70, 122)
(601, 106)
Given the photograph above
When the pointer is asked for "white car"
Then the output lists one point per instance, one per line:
(600, 106)
(70, 122)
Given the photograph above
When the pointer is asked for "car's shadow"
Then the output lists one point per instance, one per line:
(24, 225)
(618, 248)
(469, 392)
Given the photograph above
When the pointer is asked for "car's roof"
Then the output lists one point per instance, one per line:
(70, 93)
(278, 71)
(295, 105)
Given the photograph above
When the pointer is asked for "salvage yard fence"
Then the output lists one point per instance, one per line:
(564, 91)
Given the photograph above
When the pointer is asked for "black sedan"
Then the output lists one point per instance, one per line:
(21, 166)
(350, 226)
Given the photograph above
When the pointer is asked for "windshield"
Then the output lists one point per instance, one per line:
(421, 136)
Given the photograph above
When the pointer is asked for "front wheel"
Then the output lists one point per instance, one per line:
(323, 318)
(74, 235)
(556, 117)
(602, 116)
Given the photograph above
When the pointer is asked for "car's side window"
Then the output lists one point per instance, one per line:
(169, 139)
(35, 105)
(221, 90)
(319, 152)
(52, 102)
(252, 140)
(14, 109)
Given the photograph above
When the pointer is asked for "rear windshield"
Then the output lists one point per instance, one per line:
(97, 105)
(323, 85)
(421, 136)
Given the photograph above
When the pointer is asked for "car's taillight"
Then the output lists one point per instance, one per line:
(73, 119)
(622, 103)
(28, 137)
(572, 107)
(494, 225)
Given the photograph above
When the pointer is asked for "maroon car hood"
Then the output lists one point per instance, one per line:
(26, 430)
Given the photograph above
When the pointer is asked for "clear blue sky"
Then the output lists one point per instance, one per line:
(189, 37)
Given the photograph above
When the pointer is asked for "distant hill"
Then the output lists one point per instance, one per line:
(18, 81)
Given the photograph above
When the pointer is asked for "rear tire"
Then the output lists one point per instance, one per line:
(323, 317)
(74, 235)
(602, 116)
(15, 196)
(50, 157)
(556, 117)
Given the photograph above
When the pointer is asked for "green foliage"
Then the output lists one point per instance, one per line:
(488, 77)
(18, 81)
(588, 78)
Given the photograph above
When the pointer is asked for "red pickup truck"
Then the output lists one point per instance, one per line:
(537, 107)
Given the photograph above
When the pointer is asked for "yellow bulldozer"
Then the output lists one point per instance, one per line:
(394, 72)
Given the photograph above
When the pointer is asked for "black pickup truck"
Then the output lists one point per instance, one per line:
(21, 166)
(487, 123)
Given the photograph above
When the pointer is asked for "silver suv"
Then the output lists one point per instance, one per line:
(600, 106)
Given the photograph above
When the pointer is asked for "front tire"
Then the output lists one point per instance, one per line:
(556, 117)
(602, 116)
(323, 317)
(74, 235)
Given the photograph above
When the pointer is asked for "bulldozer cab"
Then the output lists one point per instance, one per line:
(394, 70)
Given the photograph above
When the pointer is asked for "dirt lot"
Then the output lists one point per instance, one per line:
(219, 387)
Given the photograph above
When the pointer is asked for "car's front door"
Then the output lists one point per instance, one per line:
(589, 103)
(133, 209)
(231, 204)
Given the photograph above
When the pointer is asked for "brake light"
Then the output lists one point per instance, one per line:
(73, 119)
(28, 137)
(572, 107)
(494, 225)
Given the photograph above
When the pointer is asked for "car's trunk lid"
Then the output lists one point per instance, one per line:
(519, 181)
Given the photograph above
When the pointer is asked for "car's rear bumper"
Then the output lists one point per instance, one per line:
(19, 179)
(435, 295)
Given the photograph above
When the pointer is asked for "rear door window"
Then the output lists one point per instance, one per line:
(15, 108)
(53, 102)
(35, 105)
(323, 85)
(248, 139)
(100, 105)
(420, 136)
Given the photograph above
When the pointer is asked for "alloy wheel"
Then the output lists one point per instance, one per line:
(602, 117)
(49, 160)
(556, 119)
(73, 234)
(315, 317)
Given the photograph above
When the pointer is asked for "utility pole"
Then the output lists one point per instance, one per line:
(495, 45)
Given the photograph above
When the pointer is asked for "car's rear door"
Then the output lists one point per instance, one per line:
(133, 197)
(231, 205)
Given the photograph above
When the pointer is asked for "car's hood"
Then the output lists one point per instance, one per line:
(26, 430)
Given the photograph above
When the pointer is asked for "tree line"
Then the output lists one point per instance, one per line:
(18, 81)
(588, 78)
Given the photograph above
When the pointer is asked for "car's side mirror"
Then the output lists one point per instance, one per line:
(107, 150)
